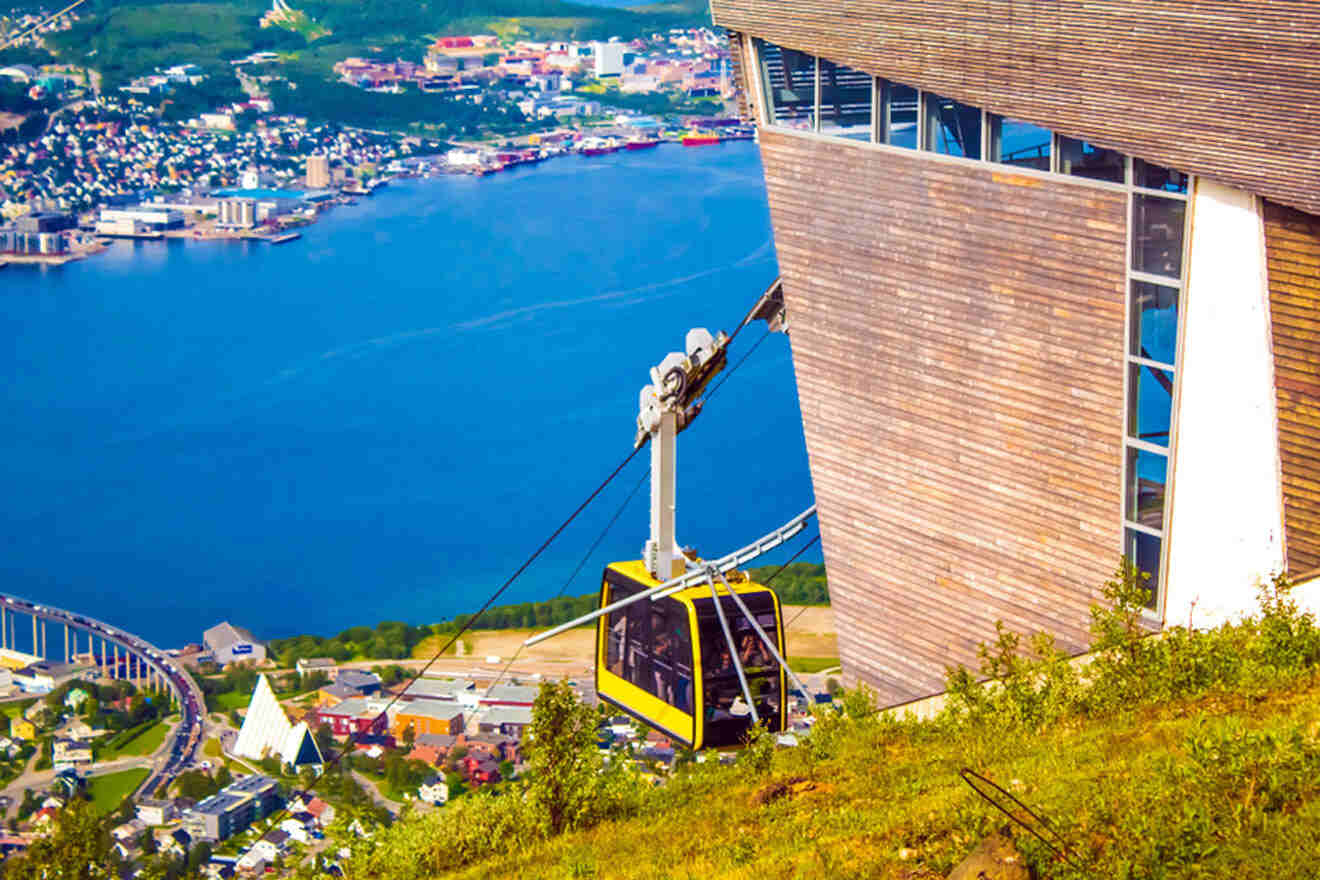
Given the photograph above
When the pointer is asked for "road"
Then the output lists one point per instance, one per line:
(181, 746)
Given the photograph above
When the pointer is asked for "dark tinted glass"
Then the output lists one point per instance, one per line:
(1019, 143)
(1081, 159)
(1143, 550)
(1146, 475)
(845, 101)
(1157, 235)
(1154, 322)
(1150, 404)
(649, 644)
(726, 719)
(1150, 176)
(952, 128)
(900, 119)
(790, 85)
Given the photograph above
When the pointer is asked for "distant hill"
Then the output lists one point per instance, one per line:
(126, 38)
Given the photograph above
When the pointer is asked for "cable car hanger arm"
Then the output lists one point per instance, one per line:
(737, 558)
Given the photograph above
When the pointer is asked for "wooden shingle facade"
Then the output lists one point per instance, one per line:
(958, 339)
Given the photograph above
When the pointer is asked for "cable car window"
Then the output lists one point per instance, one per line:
(649, 644)
(727, 716)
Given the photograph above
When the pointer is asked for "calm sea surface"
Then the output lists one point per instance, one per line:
(381, 421)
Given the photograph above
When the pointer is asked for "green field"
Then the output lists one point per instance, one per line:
(144, 743)
(15, 708)
(805, 665)
(108, 791)
(231, 700)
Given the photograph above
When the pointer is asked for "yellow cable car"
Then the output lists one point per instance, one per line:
(667, 662)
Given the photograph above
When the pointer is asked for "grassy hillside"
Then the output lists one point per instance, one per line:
(1189, 755)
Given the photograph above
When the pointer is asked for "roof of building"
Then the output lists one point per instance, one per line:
(352, 708)
(510, 693)
(430, 709)
(356, 678)
(436, 740)
(340, 691)
(438, 688)
(507, 715)
(225, 635)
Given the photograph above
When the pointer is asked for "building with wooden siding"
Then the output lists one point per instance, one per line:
(1051, 272)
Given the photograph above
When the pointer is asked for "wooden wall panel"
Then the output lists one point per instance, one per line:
(736, 50)
(1225, 88)
(957, 335)
(1292, 246)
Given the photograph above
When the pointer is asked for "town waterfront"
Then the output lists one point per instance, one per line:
(382, 420)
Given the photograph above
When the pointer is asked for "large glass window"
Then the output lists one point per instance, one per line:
(898, 122)
(1081, 159)
(1143, 550)
(1148, 176)
(1019, 143)
(789, 82)
(649, 644)
(845, 101)
(1147, 473)
(952, 128)
(1150, 404)
(1157, 234)
(1153, 311)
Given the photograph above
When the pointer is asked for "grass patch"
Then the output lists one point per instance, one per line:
(231, 700)
(806, 665)
(427, 647)
(108, 791)
(16, 708)
(142, 740)
(212, 748)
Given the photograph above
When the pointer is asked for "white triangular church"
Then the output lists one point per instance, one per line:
(267, 732)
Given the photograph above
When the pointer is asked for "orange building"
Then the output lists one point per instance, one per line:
(425, 716)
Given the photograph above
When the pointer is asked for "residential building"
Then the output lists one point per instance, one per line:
(427, 717)
(232, 644)
(608, 58)
(156, 812)
(318, 171)
(1071, 328)
(508, 720)
(71, 751)
(355, 716)
(434, 791)
(233, 809)
(307, 665)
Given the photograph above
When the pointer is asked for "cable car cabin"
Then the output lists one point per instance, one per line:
(667, 662)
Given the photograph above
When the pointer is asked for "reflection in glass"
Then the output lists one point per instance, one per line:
(1146, 476)
(1150, 403)
(1154, 333)
(1143, 550)
(789, 77)
(899, 119)
(1019, 143)
(1157, 234)
(952, 128)
(1081, 159)
(845, 101)
(1150, 176)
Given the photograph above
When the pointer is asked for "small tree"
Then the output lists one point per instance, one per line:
(561, 754)
(79, 848)
(409, 737)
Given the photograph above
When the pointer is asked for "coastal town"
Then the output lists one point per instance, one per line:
(296, 758)
(111, 165)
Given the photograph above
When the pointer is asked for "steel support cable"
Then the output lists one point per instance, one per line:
(1059, 848)
(356, 736)
(729, 373)
(586, 557)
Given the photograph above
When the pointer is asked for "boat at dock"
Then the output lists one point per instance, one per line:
(594, 146)
(641, 144)
(699, 139)
(285, 238)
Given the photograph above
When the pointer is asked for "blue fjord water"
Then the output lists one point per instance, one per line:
(381, 421)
